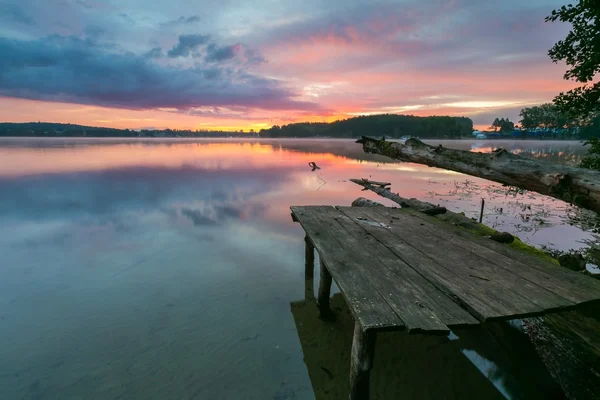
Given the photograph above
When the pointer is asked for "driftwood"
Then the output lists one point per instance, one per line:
(579, 186)
(385, 191)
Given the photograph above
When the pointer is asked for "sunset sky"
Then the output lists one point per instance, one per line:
(251, 64)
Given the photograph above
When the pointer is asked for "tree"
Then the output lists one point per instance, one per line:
(545, 116)
(580, 50)
(495, 124)
(505, 125)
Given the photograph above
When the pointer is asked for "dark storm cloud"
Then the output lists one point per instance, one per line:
(71, 69)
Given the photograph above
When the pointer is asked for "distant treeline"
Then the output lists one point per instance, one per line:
(391, 125)
(47, 129)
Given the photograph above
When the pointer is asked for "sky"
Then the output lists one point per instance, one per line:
(237, 64)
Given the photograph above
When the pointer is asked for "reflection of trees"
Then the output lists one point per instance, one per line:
(563, 153)
(583, 219)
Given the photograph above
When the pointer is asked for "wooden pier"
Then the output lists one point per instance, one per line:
(404, 270)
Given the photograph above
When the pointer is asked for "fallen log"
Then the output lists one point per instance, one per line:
(579, 186)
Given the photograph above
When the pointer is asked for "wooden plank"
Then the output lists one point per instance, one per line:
(473, 265)
(568, 284)
(485, 299)
(410, 296)
(415, 290)
(366, 304)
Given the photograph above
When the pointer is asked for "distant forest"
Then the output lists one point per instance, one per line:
(47, 129)
(390, 125)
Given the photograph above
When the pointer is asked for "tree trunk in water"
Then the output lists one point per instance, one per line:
(579, 186)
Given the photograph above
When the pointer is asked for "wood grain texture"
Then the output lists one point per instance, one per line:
(497, 273)
(365, 302)
(402, 270)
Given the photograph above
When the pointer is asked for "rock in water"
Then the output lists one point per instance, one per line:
(503, 237)
(574, 261)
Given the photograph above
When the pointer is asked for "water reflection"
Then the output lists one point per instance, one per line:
(492, 362)
(161, 269)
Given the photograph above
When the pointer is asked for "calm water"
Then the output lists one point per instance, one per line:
(172, 270)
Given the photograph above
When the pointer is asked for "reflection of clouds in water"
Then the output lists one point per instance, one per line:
(110, 194)
(217, 213)
(87, 210)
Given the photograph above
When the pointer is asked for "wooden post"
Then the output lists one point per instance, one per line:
(361, 361)
(324, 293)
(309, 269)
(481, 214)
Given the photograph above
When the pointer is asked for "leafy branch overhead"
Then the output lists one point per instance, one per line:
(580, 50)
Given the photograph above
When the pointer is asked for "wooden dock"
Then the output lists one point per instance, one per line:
(402, 270)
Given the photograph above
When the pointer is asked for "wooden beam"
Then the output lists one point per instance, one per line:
(324, 293)
(309, 268)
(361, 362)
(579, 186)
(309, 259)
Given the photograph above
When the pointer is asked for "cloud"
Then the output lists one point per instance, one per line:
(73, 70)
(186, 44)
(14, 13)
(156, 52)
(215, 214)
(236, 51)
(184, 20)
(218, 54)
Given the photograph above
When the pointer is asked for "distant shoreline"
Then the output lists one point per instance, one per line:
(529, 139)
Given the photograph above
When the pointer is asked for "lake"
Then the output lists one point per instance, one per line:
(171, 269)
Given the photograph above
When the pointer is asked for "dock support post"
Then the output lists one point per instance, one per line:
(361, 361)
(324, 293)
(309, 269)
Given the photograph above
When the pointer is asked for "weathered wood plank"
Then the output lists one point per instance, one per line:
(568, 284)
(410, 295)
(485, 298)
(472, 264)
(366, 304)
